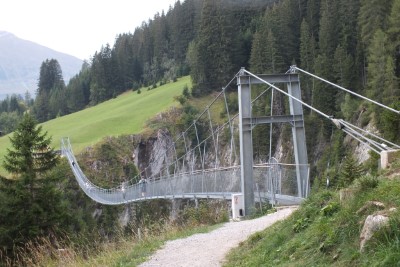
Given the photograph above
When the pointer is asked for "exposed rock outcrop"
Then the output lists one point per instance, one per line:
(373, 222)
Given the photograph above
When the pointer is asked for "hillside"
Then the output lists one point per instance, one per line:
(125, 114)
(20, 62)
(326, 230)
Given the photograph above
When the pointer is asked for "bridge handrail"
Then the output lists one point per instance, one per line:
(202, 183)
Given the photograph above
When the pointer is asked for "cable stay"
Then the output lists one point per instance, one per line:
(178, 177)
(357, 133)
(183, 185)
(294, 68)
(371, 140)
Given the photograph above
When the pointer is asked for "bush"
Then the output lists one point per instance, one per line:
(351, 171)
(368, 182)
(330, 209)
(301, 224)
(206, 213)
(135, 86)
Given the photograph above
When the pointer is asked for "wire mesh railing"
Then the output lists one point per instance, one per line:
(273, 182)
(212, 183)
(277, 183)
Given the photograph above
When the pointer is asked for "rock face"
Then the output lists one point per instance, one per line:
(159, 150)
(373, 222)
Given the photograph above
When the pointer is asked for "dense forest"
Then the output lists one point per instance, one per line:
(354, 43)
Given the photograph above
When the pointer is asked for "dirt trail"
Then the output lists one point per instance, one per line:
(209, 249)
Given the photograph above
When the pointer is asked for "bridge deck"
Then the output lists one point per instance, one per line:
(209, 184)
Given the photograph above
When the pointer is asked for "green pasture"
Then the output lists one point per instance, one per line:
(125, 114)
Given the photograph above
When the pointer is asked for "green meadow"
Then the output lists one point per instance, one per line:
(126, 114)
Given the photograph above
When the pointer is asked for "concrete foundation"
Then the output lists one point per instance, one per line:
(388, 157)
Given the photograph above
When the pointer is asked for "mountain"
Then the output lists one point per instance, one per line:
(20, 62)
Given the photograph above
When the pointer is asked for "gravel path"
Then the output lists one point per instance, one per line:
(209, 249)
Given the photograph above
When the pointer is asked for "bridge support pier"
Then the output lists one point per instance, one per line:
(246, 145)
(247, 122)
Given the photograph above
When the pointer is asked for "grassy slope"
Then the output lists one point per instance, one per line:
(325, 233)
(125, 114)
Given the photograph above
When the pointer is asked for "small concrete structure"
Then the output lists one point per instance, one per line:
(237, 206)
(388, 156)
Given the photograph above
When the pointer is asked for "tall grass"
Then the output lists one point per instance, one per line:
(129, 247)
(123, 250)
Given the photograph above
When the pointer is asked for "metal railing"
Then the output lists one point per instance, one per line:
(212, 183)
(273, 182)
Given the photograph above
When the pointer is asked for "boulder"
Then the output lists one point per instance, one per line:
(372, 224)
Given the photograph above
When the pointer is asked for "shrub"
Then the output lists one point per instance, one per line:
(351, 171)
(301, 224)
(368, 182)
(206, 213)
(330, 209)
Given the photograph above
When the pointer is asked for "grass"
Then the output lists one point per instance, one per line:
(326, 232)
(127, 251)
(216, 109)
(125, 114)
(140, 252)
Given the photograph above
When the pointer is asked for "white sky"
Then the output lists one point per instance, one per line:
(76, 27)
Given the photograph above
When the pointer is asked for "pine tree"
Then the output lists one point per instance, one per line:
(31, 205)
(382, 85)
(257, 58)
(307, 47)
(394, 34)
(391, 123)
(349, 57)
(76, 94)
(32, 155)
(350, 172)
(328, 32)
(274, 60)
(50, 79)
(372, 16)
(313, 17)
(50, 76)
(287, 31)
(212, 62)
(308, 55)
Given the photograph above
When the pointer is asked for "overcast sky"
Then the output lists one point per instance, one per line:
(76, 27)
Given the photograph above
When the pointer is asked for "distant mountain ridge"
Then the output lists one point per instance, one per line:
(20, 62)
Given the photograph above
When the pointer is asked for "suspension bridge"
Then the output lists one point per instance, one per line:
(213, 166)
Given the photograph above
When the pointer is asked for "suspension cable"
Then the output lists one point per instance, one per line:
(283, 92)
(354, 128)
(219, 129)
(294, 67)
(335, 121)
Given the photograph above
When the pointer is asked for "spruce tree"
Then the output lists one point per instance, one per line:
(381, 79)
(258, 62)
(372, 16)
(31, 205)
(50, 79)
(308, 53)
(351, 170)
(394, 34)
